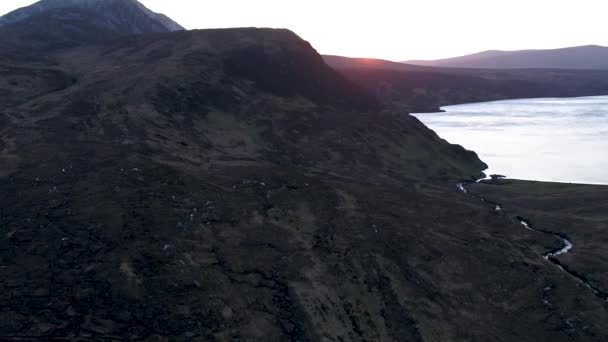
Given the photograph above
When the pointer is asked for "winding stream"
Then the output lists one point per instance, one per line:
(567, 243)
(568, 246)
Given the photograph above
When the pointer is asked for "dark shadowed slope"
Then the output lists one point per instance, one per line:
(225, 185)
(580, 57)
(578, 212)
(270, 82)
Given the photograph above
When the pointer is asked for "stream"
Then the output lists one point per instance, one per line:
(567, 247)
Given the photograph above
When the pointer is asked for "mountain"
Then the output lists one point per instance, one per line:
(340, 62)
(426, 88)
(221, 185)
(580, 57)
(53, 24)
(127, 16)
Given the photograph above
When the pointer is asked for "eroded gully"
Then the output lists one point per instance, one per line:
(567, 247)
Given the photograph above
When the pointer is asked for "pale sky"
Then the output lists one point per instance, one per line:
(402, 29)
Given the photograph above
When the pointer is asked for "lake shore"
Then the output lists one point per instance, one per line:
(542, 139)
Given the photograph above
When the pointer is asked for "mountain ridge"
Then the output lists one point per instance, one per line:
(51, 25)
(578, 57)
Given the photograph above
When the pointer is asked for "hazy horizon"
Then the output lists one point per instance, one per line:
(400, 30)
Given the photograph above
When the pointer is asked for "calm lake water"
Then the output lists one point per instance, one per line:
(560, 140)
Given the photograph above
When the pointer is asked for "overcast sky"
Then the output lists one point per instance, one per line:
(402, 29)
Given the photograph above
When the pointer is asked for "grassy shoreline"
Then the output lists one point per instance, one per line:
(575, 210)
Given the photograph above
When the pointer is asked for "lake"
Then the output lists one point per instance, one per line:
(558, 140)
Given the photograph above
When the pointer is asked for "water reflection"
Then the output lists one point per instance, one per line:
(561, 140)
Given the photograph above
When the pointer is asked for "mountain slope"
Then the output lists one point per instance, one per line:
(261, 74)
(56, 24)
(111, 14)
(223, 185)
(580, 57)
(208, 164)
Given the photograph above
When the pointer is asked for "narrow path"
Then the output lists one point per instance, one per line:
(568, 246)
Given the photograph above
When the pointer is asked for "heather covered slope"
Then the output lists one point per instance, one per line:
(267, 91)
(229, 185)
(577, 211)
(194, 165)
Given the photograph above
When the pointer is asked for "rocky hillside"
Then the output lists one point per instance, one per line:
(224, 185)
(284, 105)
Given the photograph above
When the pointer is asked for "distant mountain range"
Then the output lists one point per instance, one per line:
(580, 57)
(416, 88)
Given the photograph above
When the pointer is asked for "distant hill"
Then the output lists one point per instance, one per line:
(580, 57)
(55, 24)
(340, 62)
(426, 88)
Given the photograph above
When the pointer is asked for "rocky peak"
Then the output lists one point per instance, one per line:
(124, 16)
